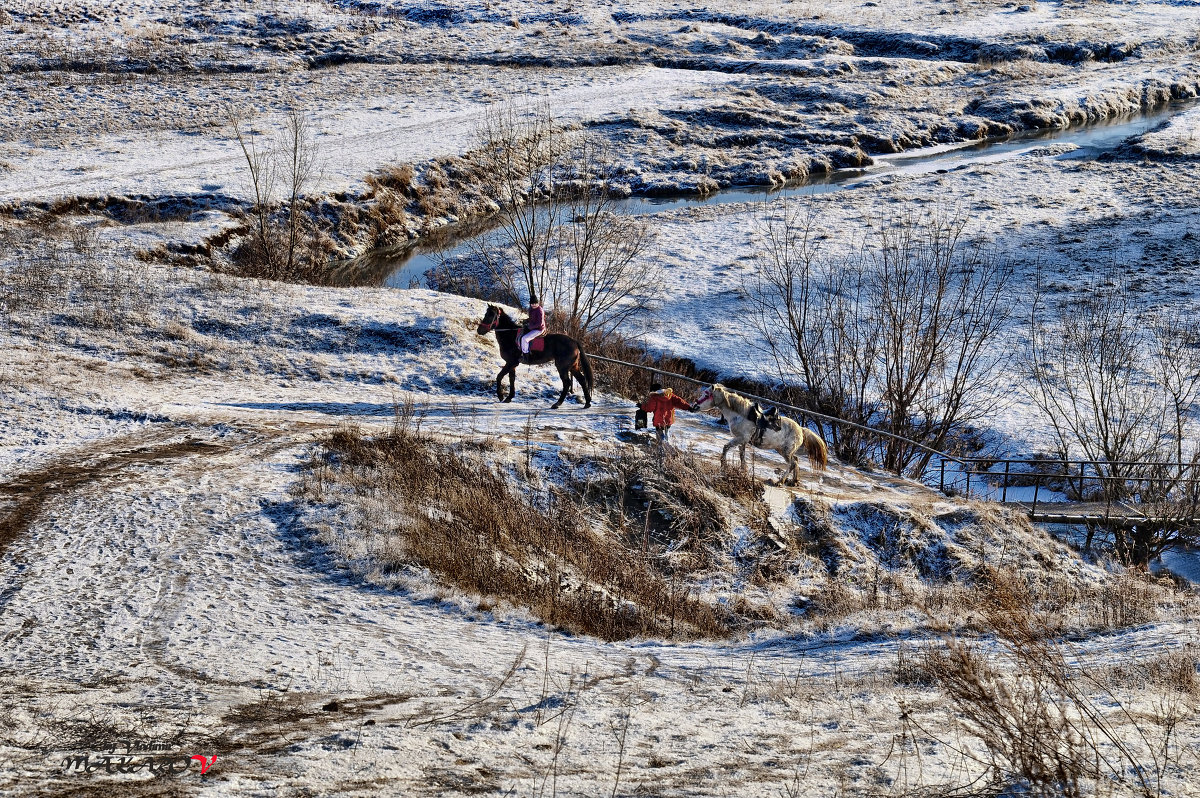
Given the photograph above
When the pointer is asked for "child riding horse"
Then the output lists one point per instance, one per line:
(564, 352)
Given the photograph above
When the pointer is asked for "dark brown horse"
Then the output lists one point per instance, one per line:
(565, 352)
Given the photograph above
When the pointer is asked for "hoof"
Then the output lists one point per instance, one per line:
(586, 405)
(556, 405)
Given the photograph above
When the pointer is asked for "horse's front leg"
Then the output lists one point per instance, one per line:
(510, 370)
(565, 376)
(728, 446)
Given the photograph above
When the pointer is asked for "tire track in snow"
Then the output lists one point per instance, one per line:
(31, 492)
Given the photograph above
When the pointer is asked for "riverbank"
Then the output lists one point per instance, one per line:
(684, 100)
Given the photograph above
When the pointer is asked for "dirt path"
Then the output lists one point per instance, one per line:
(30, 492)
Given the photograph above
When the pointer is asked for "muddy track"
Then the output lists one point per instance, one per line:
(32, 491)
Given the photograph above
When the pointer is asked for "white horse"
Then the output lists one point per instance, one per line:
(788, 440)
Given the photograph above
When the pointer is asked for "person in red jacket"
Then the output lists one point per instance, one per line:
(662, 403)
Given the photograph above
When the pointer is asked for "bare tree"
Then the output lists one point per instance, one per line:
(895, 334)
(559, 234)
(599, 282)
(1175, 349)
(1082, 362)
(815, 323)
(941, 306)
(260, 169)
(285, 241)
(1118, 385)
(298, 157)
(523, 156)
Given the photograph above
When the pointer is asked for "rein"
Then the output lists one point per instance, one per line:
(488, 326)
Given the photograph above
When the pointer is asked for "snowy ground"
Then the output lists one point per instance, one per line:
(156, 587)
(152, 586)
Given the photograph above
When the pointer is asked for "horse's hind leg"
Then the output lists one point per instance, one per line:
(792, 475)
(587, 393)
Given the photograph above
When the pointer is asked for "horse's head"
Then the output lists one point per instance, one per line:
(706, 401)
(490, 319)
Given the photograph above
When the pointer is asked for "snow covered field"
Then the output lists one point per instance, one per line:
(156, 584)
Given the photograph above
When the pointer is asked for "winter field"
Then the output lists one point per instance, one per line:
(288, 526)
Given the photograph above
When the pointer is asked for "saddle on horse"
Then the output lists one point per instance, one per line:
(536, 347)
(763, 421)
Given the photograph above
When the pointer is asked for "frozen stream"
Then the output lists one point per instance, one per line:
(402, 267)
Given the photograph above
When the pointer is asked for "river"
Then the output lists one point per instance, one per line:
(401, 267)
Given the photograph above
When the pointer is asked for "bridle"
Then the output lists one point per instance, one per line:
(486, 326)
(706, 395)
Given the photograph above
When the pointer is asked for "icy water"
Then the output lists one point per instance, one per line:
(402, 267)
(1183, 562)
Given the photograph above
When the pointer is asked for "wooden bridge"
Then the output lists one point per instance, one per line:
(1122, 493)
(1120, 513)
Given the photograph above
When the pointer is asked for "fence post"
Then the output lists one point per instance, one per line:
(1004, 488)
(967, 464)
(1037, 483)
(942, 478)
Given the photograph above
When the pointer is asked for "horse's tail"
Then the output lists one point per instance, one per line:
(585, 366)
(814, 447)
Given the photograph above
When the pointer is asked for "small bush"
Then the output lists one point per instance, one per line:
(1043, 716)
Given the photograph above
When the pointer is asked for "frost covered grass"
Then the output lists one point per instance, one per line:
(55, 267)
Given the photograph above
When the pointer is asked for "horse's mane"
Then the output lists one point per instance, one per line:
(504, 321)
(736, 403)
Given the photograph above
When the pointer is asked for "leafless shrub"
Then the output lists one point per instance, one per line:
(912, 667)
(1032, 706)
(285, 238)
(895, 335)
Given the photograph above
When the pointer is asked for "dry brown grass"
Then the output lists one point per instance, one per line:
(1049, 720)
(627, 543)
(478, 525)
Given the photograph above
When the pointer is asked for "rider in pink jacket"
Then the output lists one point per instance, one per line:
(535, 325)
